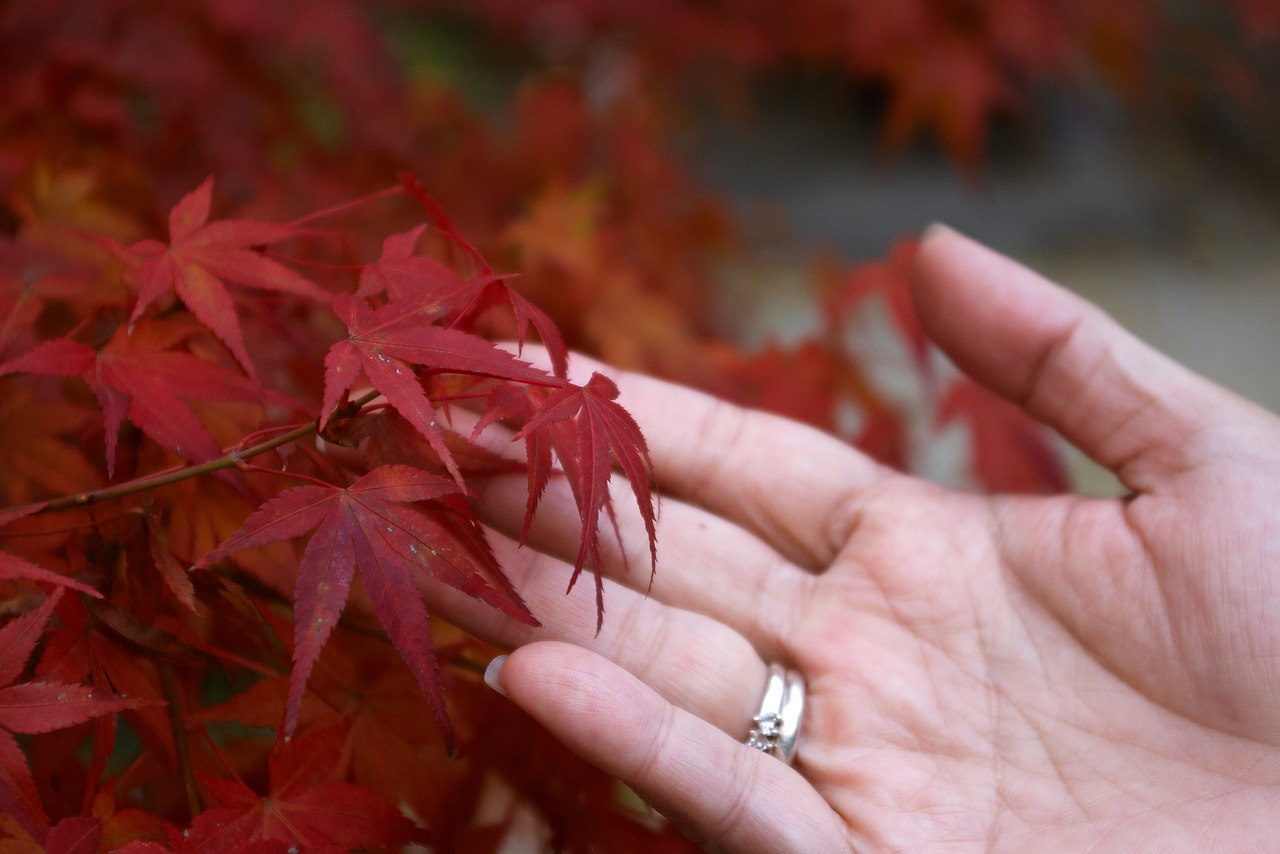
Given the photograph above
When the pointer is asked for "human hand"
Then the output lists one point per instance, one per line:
(1005, 673)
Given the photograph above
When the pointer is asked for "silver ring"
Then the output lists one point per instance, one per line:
(777, 727)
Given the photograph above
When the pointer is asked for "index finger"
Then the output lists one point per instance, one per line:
(793, 486)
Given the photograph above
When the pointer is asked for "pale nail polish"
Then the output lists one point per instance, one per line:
(491, 674)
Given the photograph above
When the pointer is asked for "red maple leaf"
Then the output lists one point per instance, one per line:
(201, 254)
(430, 290)
(587, 429)
(376, 706)
(303, 809)
(139, 375)
(378, 525)
(387, 343)
(36, 707)
(402, 275)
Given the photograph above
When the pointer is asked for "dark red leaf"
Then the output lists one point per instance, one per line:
(405, 277)
(37, 707)
(18, 638)
(427, 290)
(303, 809)
(393, 440)
(34, 707)
(386, 348)
(492, 291)
(60, 357)
(80, 651)
(173, 573)
(138, 375)
(18, 795)
(200, 255)
(588, 430)
(374, 525)
(15, 568)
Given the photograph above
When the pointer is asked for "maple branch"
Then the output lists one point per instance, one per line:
(232, 459)
(174, 699)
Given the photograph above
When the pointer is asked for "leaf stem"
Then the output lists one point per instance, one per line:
(346, 206)
(305, 478)
(231, 459)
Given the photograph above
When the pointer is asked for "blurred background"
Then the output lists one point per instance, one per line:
(1125, 149)
(719, 192)
(1166, 215)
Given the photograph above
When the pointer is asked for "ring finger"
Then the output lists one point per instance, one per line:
(694, 661)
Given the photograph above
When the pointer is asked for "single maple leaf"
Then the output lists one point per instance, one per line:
(201, 255)
(358, 686)
(402, 275)
(303, 809)
(85, 648)
(476, 295)
(386, 344)
(139, 375)
(36, 707)
(588, 430)
(374, 525)
(430, 291)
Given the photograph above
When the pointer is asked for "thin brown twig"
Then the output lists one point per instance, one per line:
(156, 480)
(170, 687)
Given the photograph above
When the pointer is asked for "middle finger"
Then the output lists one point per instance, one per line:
(693, 660)
(706, 564)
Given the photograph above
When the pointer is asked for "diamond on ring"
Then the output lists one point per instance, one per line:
(777, 726)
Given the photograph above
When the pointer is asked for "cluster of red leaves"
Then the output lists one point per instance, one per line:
(397, 524)
(146, 337)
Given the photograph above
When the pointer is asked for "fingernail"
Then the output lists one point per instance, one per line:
(492, 672)
(937, 229)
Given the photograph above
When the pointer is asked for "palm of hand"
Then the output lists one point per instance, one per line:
(1008, 673)
(953, 698)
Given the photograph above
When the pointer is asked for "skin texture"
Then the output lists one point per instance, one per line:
(984, 673)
